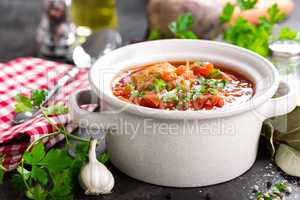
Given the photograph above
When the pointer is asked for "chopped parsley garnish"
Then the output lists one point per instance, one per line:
(159, 84)
(130, 86)
(170, 96)
(221, 84)
(216, 73)
(212, 91)
(136, 93)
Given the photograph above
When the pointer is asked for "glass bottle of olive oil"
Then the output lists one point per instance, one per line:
(94, 14)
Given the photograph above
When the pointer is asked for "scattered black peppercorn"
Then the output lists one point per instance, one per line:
(269, 184)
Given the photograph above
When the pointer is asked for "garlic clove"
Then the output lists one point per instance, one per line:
(95, 177)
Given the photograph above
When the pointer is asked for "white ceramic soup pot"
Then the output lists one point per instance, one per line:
(182, 148)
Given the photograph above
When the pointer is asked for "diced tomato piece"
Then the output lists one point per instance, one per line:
(121, 91)
(203, 70)
(180, 70)
(208, 104)
(168, 76)
(199, 103)
(221, 102)
(215, 99)
(150, 100)
(118, 92)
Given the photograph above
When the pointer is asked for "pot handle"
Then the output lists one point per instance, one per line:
(280, 105)
(84, 118)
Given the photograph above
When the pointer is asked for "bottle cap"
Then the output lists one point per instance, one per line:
(285, 48)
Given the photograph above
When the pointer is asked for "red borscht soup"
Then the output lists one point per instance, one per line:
(190, 85)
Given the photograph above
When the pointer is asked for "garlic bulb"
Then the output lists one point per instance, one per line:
(95, 177)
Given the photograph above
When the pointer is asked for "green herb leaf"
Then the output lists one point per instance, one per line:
(170, 96)
(275, 15)
(1, 175)
(57, 160)
(159, 84)
(81, 151)
(26, 174)
(288, 159)
(247, 35)
(2, 170)
(281, 186)
(136, 93)
(37, 193)
(154, 35)
(104, 157)
(62, 185)
(18, 183)
(227, 13)
(23, 103)
(38, 96)
(36, 155)
(39, 175)
(182, 27)
(259, 195)
(268, 132)
(287, 34)
(56, 109)
(246, 4)
(187, 35)
(212, 91)
(216, 73)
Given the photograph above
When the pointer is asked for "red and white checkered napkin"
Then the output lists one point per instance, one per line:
(21, 76)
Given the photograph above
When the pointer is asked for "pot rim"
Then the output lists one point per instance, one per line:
(115, 102)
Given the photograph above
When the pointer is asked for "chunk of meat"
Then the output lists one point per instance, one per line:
(145, 77)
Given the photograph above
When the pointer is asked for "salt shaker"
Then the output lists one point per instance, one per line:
(286, 57)
(56, 33)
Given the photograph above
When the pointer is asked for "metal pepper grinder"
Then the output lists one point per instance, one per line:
(56, 33)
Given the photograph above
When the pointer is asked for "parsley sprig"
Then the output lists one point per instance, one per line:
(181, 28)
(254, 37)
(51, 174)
(36, 100)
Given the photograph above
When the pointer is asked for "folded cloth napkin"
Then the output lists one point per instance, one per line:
(22, 75)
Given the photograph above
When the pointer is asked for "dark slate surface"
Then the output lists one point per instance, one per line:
(18, 22)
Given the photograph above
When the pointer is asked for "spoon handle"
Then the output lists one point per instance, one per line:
(61, 82)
